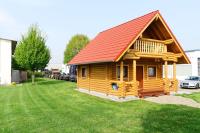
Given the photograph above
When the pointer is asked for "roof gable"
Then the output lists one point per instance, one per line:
(110, 45)
(184, 59)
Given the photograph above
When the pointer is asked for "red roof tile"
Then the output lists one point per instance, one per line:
(108, 45)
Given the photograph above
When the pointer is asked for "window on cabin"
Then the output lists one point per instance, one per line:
(151, 71)
(125, 72)
(83, 70)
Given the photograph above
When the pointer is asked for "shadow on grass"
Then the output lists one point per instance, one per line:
(172, 119)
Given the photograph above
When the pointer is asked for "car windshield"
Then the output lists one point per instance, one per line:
(192, 78)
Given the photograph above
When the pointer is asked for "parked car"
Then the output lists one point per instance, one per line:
(191, 82)
(64, 76)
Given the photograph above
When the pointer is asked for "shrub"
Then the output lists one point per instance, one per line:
(37, 74)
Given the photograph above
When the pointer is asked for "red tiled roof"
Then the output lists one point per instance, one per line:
(108, 45)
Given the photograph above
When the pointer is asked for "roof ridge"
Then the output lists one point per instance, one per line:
(192, 50)
(156, 11)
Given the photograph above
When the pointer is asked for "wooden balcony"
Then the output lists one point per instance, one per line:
(150, 46)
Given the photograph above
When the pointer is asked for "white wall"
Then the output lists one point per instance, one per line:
(62, 67)
(182, 71)
(185, 70)
(5, 61)
(193, 56)
(65, 68)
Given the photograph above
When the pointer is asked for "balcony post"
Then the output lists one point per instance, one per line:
(166, 80)
(121, 86)
(174, 71)
(166, 70)
(134, 70)
(121, 71)
(175, 81)
(135, 83)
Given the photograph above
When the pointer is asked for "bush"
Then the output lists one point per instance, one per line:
(13, 83)
(37, 74)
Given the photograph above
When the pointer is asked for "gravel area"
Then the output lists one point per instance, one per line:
(173, 100)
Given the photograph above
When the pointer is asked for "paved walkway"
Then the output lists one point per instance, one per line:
(173, 100)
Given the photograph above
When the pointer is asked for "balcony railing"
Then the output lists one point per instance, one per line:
(150, 47)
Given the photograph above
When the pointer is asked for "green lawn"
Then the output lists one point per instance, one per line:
(194, 96)
(54, 106)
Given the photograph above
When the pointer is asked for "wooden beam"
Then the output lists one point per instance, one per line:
(134, 70)
(121, 71)
(166, 70)
(174, 71)
(151, 40)
(168, 41)
(88, 75)
(179, 55)
(130, 56)
(141, 35)
(77, 77)
(159, 31)
(156, 32)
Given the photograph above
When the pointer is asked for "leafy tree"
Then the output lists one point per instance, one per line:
(31, 52)
(15, 66)
(75, 44)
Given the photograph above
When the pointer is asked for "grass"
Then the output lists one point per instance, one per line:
(194, 96)
(53, 106)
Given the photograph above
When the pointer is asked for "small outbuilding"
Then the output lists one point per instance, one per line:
(128, 59)
(7, 48)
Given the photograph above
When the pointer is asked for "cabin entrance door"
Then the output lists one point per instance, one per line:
(139, 76)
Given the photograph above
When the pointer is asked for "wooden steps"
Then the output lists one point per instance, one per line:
(150, 92)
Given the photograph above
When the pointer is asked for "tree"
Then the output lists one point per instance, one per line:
(75, 44)
(31, 52)
(15, 66)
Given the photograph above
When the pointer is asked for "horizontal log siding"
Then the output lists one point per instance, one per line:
(113, 71)
(97, 77)
(83, 82)
(98, 80)
(100, 75)
(152, 83)
(155, 84)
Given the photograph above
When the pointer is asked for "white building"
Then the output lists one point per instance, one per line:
(185, 70)
(62, 67)
(6, 50)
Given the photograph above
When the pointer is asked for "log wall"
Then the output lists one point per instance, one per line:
(100, 76)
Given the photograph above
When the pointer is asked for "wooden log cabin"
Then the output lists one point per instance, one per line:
(130, 59)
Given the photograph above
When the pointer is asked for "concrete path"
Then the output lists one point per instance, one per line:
(173, 100)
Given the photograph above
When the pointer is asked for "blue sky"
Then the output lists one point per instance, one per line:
(61, 19)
